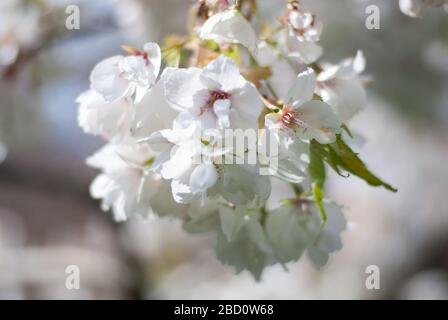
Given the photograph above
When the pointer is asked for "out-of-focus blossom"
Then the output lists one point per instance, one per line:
(3, 152)
(19, 29)
(435, 55)
(417, 8)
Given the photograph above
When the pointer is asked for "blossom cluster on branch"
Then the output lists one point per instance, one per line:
(170, 117)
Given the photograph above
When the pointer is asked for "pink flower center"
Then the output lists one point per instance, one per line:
(214, 96)
(289, 118)
(143, 54)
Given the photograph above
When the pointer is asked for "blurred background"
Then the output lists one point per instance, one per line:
(48, 220)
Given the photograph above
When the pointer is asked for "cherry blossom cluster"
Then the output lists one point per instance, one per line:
(166, 115)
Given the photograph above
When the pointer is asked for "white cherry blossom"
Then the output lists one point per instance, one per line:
(229, 26)
(303, 117)
(125, 76)
(302, 31)
(341, 86)
(188, 159)
(304, 25)
(112, 120)
(126, 185)
(301, 51)
(218, 95)
(123, 120)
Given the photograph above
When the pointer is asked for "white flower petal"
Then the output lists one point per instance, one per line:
(303, 87)
(266, 54)
(181, 192)
(283, 76)
(154, 55)
(328, 239)
(224, 72)
(320, 122)
(134, 68)
(221, 108)
(359, 62)
(347, 97)
(109, 120)
(305, 51)
(105, 78)
(271, 121)
(346, 69)
(203, 177)
(229, 27)
(287, 234)
(181, 88)
(179, 163)
(152, 113)
(100, 186)
(246, 107)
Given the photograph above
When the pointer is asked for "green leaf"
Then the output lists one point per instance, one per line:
(347, 130)
(334, 162)
(172, 57)
(319, 198)
(340, 157)
(328, 155)
(347, 159)
(317, 175)
(316, 167)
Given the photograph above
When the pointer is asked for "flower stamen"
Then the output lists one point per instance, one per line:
(290, 118)
(214, 96)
